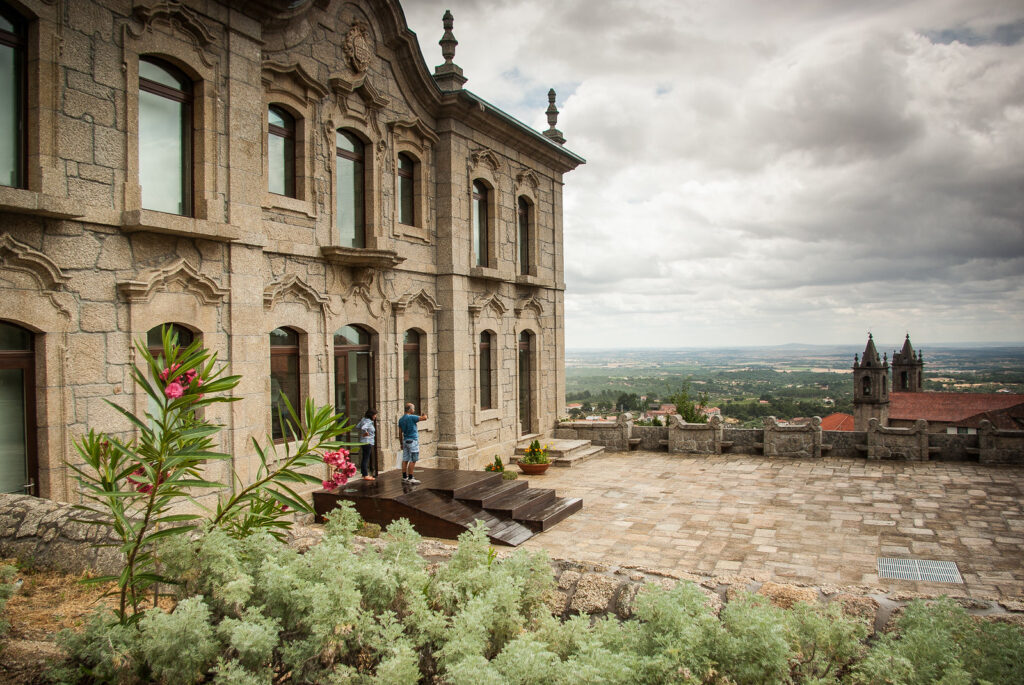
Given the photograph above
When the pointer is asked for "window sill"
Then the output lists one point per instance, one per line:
(22, 201)
(486, 273)
(272, 202)
(173, 224)
(361, 257)
(414, 232)
(524, 279)
(487, 415)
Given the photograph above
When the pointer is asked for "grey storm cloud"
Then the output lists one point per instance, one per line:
(771, 172)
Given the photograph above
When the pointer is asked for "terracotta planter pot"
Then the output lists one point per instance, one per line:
(532, 469)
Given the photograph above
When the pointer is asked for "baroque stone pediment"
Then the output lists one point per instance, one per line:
(411, 129)
(492, 301)
(21, 257)
(527, 304)
(420, 297)
(177, 273)
(178, 17)
(291, 288)
(309, 88)
(484, 156)
(528, 179)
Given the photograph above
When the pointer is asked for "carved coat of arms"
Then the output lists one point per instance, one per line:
(357, 46)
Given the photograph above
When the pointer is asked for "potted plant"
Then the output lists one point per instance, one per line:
(535, 461)
(496, 465)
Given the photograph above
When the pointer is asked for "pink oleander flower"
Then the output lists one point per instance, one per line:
(168, 371)
(329, 485)
(174, 390)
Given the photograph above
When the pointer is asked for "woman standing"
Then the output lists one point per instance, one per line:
(367, 436)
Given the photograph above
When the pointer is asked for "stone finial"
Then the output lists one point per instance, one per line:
(553, 133)
(448, 76)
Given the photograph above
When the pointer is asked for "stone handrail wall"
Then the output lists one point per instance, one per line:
(990, 445)
(792, 441)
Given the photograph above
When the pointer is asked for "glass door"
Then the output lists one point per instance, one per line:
(353, 373)
(18, 467)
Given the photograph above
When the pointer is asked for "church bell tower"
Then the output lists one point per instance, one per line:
(907, 369)
(870, 387)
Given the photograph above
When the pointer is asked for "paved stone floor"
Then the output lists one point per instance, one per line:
(815, 522)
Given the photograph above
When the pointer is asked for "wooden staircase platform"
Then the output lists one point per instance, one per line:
(446, 503)
(563, 452)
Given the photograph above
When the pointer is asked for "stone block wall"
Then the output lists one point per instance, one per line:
(947, 447)
(847, 444)
(695, 438)
(1000, 446)
(652, 438)
(906, 444)
(792, 441)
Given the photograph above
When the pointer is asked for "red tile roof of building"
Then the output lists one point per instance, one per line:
(837, 422)
(950, 407)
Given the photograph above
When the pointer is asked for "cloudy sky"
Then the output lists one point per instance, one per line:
(771, 172)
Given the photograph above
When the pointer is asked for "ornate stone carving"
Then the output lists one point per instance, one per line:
(490, 300)
(291, 287)
(178, 272)
(309, 88)
(180, 18)
(414, 131)
(20, 257)
(486, 156)
(357, 46)
(529, 303)
(372, 99)
(420, 297)
(527, 179)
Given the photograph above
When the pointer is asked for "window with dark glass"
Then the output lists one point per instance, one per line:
(406, 190)
(353, 372)
(485, 370)
(525, 384)
(284, 378)
(12, 99)
(165, 137)
(480, 223)
(349, 190)
(524, 236)
(411, 364)
(280, 151)
(18, 466)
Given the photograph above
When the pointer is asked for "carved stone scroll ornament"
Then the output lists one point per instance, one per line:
(175, 14)
(20, 257)
(178, 273)
(291, 288)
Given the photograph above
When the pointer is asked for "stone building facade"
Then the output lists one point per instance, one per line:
(289, 182)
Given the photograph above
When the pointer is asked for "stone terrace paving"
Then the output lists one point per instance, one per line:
(818, 522)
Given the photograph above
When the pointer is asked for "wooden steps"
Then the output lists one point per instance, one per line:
(562, 452)
(446, 503)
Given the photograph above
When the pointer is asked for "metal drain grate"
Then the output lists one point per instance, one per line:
(919, 569)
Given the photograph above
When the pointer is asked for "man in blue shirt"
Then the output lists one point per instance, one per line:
(409, 435)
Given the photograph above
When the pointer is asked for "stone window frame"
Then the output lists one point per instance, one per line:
(420, 348)
(28, 361)
(532, 327)
(421, 229)
(487, 180)
(205, 206)
(304, 180)
(289, 134)
(373, 332)
(336, 121)
(43, 185)
(303, 363)
(492, 355)
(532, 266)
(418, 311)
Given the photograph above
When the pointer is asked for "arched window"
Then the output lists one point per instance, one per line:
(525, 383)
(481, 223)
(349, 189)
(411, 365)
(12, 99)
(406, 190)
(18, 467)
(486, 399)
(353, 372)
(155, 341)
(284, 379)
(280, 151)
(866, 385)
(523, 210)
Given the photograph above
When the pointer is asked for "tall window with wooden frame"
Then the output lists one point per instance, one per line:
(406, 190)
(280, 151)
(486, 388)
(284, 379)
(353, 372)
(411, 366)
(525, 383)
(349, 188)
(525, 225)
(19, 470)
(165, 137)
(481, 223)
(12, 99)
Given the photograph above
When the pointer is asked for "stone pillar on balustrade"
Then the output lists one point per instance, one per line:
(695, 438)
(802, 441)
(904, 444)
(999, 446)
